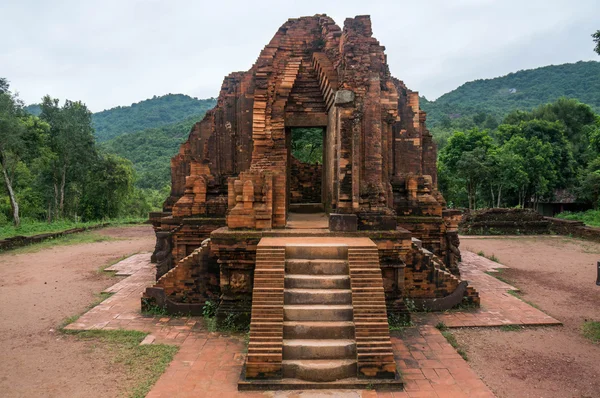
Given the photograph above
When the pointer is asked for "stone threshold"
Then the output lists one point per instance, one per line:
(351, 383)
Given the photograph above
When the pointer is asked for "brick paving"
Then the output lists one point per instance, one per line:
(122, 309)
(209, 364)
(498, 307)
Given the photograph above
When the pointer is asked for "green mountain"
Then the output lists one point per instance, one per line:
(151, 113)
(495, 98)
(151, 150)
(33, 109)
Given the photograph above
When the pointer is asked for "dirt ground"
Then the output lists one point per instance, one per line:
(37, 292)
(558, 275)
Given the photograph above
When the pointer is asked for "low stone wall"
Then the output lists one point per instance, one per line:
(20, 241)
(574, 228)
(504, 222)
(523, 222)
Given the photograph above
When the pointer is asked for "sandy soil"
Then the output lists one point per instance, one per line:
(37, 292)
(558, 275)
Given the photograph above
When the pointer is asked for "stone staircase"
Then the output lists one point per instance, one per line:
(319, 317)
(318, 327)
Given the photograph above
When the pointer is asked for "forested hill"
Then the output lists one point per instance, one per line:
(523, 90)
(151, 113)
(151, 150)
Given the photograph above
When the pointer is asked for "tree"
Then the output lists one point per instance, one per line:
(11, 132)
(461, 142)
(589, 183)
(108, 185)
(538, 165)
(576, 118)
(552, 133)
(464, 161)
(506, 172)
(72, 140)
(4, 86)
(472, 168)
(596, 37)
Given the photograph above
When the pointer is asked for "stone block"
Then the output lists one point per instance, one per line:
(344, 97)
(343, 222)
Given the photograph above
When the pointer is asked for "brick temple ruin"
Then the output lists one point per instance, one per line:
(317, 255)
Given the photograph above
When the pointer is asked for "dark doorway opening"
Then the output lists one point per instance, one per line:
(305, 174)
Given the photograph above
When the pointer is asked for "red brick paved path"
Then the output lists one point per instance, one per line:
(208, 364)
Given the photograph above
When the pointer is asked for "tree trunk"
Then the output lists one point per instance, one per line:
(470, 194)
(62, 190)
(14, 205)
(55, 200)
(492, 192)
(499, 194)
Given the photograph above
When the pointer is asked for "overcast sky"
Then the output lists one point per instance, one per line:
(116, 52)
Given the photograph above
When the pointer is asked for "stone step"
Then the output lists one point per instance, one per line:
(318, 330)
(317, 312)
(301, 281)
(319, 349)
(316, 251)
(316, 267)
(317, 296)
(307, 208)
(319, 370)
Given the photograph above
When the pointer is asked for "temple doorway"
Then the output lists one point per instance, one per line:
(305, 178)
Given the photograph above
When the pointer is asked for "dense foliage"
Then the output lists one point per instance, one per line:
(307, 144)
(526, 159)
(590, 217)
(147, 134)
(52, 168)
(151, 113)
(596, 37)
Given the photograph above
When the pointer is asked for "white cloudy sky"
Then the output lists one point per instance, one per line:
(115, 52)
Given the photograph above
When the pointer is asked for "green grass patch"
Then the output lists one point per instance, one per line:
(510, 328)
(452, 340)
(518, 295)
(492, 257)
(144, 364)
(30, 228)
(33, 227)
(591, 330)
(589, 217)
(498, 275)
(74, 239)
(441, 326)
